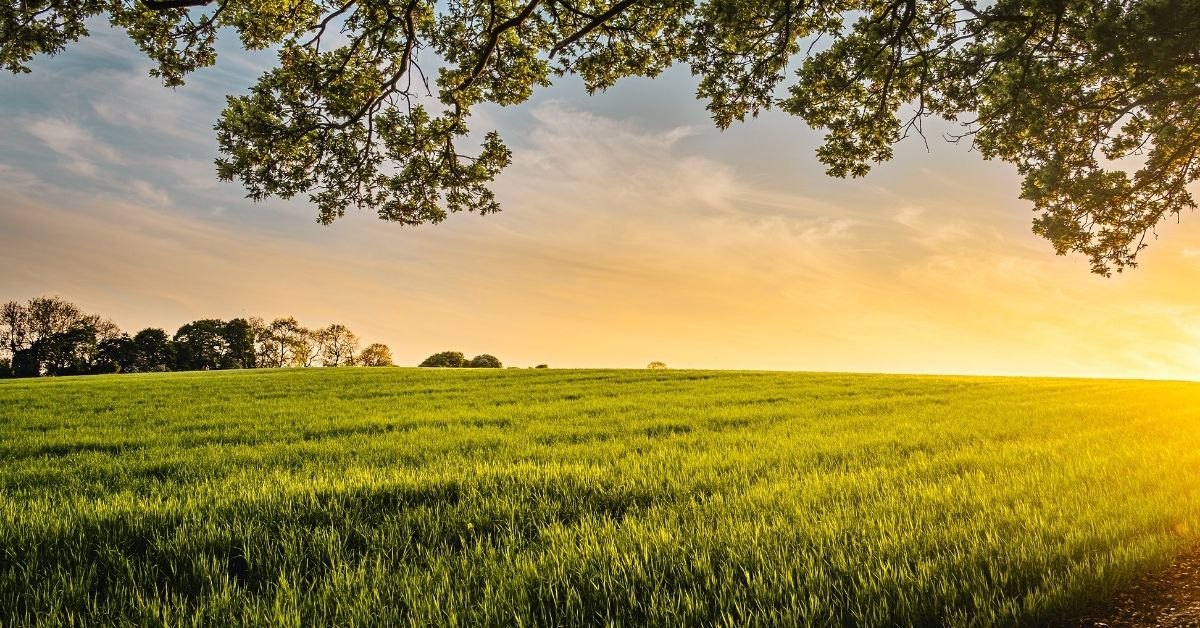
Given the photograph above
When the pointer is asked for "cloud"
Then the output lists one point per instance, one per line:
(18, 180)
(149, 193)
(83, 154)
(137, 103)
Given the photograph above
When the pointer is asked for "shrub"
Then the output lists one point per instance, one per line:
(541, 366)
(656, 365)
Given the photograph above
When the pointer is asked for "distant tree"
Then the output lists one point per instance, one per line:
(310, 344)
(542, 366)
(200, 345)
(484, 361)
(51, 315)
(25, 363)
(264, 347)
(240, 336)
(105, 328)
(339, 346)
(14, 329)
(445, 359)
(375, 355)
(656, 365)
(283, 335)
(28, 328)
(116, 355)
(70, 352)
(153, 350)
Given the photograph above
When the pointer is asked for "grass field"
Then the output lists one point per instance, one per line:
(535, 497)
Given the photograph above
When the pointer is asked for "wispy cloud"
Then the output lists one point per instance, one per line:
(82, 153)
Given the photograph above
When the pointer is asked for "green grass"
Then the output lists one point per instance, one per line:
(436, 497)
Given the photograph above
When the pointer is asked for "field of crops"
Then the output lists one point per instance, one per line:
(519, 497)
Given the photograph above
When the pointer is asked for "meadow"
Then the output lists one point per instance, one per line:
(599, 497)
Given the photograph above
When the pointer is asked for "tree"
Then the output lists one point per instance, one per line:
(348, 116)
(445, 359)
(375, 354)
(105, 328)
(200, 345)
(70, 352)
(154, 351)
(116, 355)
(264, 346)
(46, 316)
(656, 365)
(309, 345)
(484, 361)
(25, 363)
(51, 336)
(14, 329)
(282, 338)
(240, 336)
(339, 346)
(542, 366)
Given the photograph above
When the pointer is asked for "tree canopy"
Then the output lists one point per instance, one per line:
(484, 361)
(445, 359)
(368, 104)
(456, 359)
(375, 354)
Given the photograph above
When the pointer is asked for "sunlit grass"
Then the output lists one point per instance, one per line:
(385, 496)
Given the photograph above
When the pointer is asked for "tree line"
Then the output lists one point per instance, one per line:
(49, 336)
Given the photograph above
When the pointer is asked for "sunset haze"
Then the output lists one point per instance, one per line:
(633, 230)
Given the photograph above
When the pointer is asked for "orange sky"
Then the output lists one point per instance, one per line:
(632, 231)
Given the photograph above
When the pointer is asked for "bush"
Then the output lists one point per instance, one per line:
(445, 359)
(484, 361)
(541, 366)
(656, 365)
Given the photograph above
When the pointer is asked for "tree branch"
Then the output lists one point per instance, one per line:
(494, 40)
(165, 5)
(593, 25)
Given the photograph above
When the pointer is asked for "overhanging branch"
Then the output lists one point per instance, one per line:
(164, 5)
(593, 25)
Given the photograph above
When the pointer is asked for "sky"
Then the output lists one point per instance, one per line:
(633, 230)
